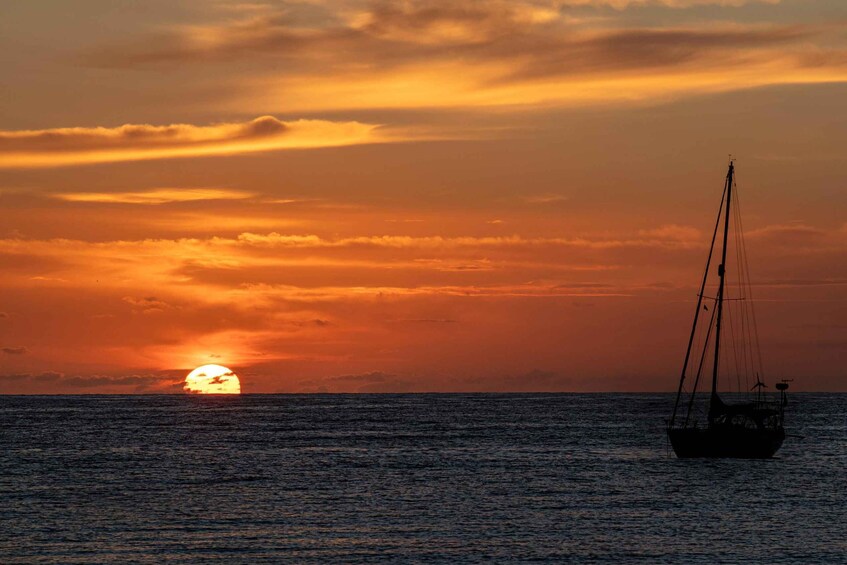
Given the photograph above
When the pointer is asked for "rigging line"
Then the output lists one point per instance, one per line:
(700, 366)
(701, 332)
(740, 345)
(755, 325)
(747, 312)
(744, 284)
(724, 369)
(746, 337)
(734, 349)
(699, 304)
(703, 329)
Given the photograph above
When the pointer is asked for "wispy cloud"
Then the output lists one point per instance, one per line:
(799, 232)
(155, 196)
(147, 304)
(668, 236)
(253, 269)
(77, 146)
(529, 290)
(673, 232)
(548, 198)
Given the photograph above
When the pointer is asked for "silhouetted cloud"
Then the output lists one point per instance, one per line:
(14, 350)
(142, 381)
(56, 379)
(147, 304)
(14, 377)
(45, 377)
(373, 382)
(220, 379)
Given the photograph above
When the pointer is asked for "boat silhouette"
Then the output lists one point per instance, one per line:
(752, 428)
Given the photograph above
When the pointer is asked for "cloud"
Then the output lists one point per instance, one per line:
(14, 350)
(433, 30)
(48, 376)
(449, 23)
(147, 305)
(650, 49)
(675, 4)
(252, 268)
(220, 379)
(373, 382)
(673, 232)
(76, 146)
(358, 293)
(795, 232)
(427, 321)
(138, 381)
(141, 382)
(798, 237)
(139, 136)
(646, 239)
(795, 283)
(154, 196)
(548, 198)
(486, 53)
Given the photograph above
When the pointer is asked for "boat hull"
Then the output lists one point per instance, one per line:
(726, 442)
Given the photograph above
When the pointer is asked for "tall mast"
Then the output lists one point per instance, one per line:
(722, 274)
(697, 312)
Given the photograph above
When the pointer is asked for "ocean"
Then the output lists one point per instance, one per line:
(407, 478)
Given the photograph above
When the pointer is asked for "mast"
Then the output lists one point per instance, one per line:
(714, 400)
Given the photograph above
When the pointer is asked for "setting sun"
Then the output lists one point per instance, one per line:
(212, 379)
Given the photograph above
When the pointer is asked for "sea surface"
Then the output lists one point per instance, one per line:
(407, 478)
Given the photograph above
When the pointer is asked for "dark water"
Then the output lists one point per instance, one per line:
(444, 478)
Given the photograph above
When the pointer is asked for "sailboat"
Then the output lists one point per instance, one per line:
(724, 340)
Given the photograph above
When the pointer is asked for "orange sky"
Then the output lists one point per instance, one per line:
(412, 196)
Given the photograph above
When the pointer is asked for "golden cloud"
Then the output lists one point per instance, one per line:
(211, 269)
(258, 268)
(666, 236)
(76, 146)
(155, 196)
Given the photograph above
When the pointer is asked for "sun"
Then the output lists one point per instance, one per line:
(212, 379)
